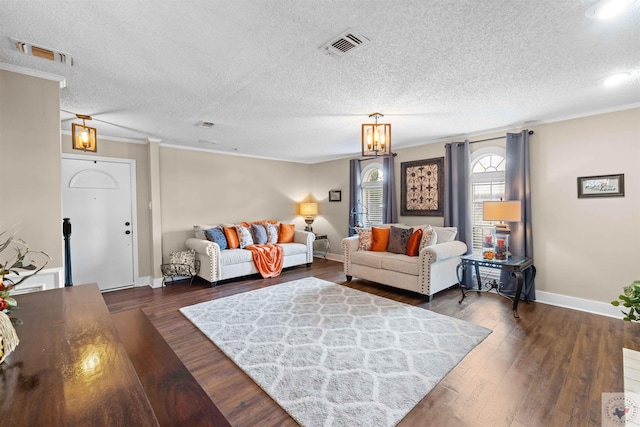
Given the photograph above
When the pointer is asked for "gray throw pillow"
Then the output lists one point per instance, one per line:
(259, 234)
(398, 239)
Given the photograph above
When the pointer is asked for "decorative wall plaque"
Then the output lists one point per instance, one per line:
(423, 187)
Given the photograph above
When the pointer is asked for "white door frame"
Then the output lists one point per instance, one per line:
(134, 209)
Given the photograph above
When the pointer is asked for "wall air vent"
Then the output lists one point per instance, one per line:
(42, 52)
(345, 43)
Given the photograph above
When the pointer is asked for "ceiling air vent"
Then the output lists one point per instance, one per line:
(345, 43)
(42, 52)
(203, 124)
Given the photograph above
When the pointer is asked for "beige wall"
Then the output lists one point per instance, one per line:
(209, 188)
(30, 161)
(139, 153)
(584, 248)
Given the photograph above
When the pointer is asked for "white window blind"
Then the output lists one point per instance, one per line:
(372, 194)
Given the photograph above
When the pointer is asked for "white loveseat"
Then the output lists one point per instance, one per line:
(216, 264)
(430, 272)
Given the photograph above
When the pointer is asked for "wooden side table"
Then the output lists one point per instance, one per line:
(327, 245)
(515, 265)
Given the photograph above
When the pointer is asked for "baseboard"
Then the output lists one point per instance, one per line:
(156, 283)
(581, 304)
(335, 257)
(143, 281)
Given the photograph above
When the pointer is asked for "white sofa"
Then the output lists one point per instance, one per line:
(216, 264)
(430, 272)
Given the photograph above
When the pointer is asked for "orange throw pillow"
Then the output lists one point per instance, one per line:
(413, 246)
(286, 233)
(232, 237)
(379, 239)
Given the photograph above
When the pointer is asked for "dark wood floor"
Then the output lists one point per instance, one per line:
(547, 368)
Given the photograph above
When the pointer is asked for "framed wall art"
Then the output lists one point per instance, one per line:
(422, 187)
(601, 186)
(335, 195)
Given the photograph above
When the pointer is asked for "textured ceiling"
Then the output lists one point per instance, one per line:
(153, 69)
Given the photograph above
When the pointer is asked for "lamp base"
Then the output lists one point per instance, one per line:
(309, 221)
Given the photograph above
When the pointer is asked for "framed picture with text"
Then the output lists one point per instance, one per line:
(601, 186)
(422, 187)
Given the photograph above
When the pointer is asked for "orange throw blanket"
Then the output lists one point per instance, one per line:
(267, 259)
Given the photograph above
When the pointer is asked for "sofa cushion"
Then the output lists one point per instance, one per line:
(429, 237)
(379, 239)
(400, 263)
(398, 239)
(235, 256)
(199, 230)
(413, 246)
(244, 236)
(259, 234)
(272, 233)
(216, 235)
(285, 233)
(369, 258)
(293, 248)
(232, 237)
(364, 238)
(446, 234)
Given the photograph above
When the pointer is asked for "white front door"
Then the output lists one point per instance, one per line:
(97, 197)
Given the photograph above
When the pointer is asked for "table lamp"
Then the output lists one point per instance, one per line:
(503, 211)
(308, 209)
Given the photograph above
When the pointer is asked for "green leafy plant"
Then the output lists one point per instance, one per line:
(630, 300)
(16, 258)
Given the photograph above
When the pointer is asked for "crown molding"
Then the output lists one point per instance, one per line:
(34, 73)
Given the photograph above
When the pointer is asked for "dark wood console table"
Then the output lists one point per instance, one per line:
(70, 368)
(515, 265)
(78, 365)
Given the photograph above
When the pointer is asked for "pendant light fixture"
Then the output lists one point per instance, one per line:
(376, 138)
(84, 137)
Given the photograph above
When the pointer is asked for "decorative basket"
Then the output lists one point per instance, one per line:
(8, 337)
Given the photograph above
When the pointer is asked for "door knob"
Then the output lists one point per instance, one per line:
(127, 223)
(127, 232)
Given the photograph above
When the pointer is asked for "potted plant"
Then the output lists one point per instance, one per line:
(630, 300)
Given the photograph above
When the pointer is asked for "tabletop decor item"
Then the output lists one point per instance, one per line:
(15, 258)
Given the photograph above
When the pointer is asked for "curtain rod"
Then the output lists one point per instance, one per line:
(497, 137)
(372, 158)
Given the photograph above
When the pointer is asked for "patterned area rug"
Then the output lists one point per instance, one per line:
(334, 356)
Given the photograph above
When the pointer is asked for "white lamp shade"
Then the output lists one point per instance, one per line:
(308, 208)
(510, 211)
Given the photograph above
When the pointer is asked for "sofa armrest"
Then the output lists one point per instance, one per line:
(442, 251)
(208, 253)
(349, 246)
(306, 238)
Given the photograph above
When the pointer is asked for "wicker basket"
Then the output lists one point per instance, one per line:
(8, 337)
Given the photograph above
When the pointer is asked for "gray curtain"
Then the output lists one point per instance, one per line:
(354, 195)
(518, 187)
(389, 203)
(457, 195)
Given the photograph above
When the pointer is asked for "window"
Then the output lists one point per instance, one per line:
(487, 183)
(372, 194)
